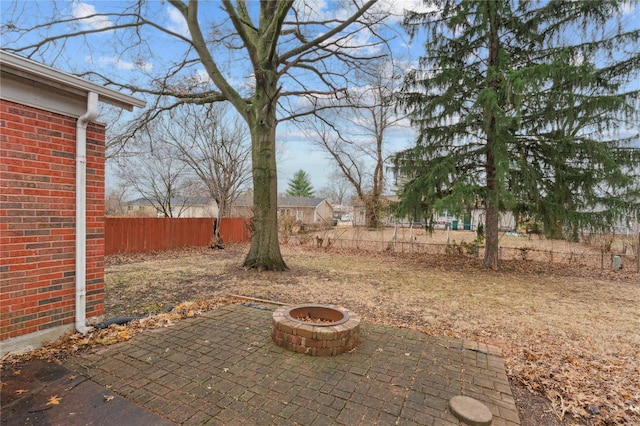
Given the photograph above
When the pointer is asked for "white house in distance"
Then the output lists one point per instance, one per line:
(471, 220)
(442, 220)
(307, 210)
(180, 207)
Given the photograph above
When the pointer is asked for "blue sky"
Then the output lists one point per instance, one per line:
(97, 52)
(101, 52)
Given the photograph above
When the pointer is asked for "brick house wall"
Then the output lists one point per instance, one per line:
(37, 219)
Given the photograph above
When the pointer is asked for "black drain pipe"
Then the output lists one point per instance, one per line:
(125, 320)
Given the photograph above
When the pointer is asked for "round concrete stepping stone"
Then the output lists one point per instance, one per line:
(470, 411)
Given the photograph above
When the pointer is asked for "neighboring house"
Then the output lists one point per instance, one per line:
(306, 210)
(626, 225)
(241, 207)
(387, 218)
(471, 220)
(506, 220)
(343, 213)
(52, 201)
(622, 227)
(180, 207)
(442, 219)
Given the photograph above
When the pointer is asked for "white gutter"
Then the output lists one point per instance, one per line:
(81, 211)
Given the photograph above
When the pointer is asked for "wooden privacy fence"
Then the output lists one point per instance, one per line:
(144, 234)
(235, 229)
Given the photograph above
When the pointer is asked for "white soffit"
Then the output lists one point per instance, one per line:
(32, 83)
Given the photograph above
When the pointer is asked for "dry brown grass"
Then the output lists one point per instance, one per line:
(570, 334)
(593, 251)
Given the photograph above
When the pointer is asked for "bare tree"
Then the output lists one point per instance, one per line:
(337, 189)
(114, 201)
(160, 178)
(215, 148)
(353, 131)
(261, 56)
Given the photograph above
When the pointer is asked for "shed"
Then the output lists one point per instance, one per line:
(52, 169)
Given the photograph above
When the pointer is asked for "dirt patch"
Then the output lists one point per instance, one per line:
(568, 334)
(534, 410)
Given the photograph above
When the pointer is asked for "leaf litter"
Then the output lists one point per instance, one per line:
(72, 342)
(566, 333)
(54, 400)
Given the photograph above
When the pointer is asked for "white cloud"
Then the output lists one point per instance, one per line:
(360, 42)
(84, 12)
(202, 76)
(109, 61)
(390, 11)
(311, 10)
(177, 24)
(321, 10)
(330, 10)
(397, 8)
(628, 8)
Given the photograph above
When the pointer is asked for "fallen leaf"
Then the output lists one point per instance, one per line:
(108, 398)
(16, 373)
(54, 400)
(73, 377)
(21, 391)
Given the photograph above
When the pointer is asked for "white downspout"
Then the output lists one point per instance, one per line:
(81, 211)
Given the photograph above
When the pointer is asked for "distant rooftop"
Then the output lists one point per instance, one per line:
(284, 201)
(299, 201)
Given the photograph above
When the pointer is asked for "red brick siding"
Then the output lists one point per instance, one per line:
(37, 220)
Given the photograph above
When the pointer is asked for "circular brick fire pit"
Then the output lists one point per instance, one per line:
(320, 330)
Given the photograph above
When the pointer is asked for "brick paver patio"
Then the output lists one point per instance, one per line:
(223, 368)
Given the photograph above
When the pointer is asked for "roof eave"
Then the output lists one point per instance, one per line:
(29, 69)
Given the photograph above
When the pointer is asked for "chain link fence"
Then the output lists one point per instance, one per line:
(581, 256)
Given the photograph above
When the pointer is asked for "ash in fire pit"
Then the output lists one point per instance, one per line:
(321, 330)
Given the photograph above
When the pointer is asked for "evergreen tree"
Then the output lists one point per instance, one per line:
(502, 120)
(570, 169)
(300, 185)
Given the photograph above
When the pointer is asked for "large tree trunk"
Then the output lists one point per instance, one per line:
(372, 213)
(491, 251)
(491, 255)
(373, 201)
(264, 253)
